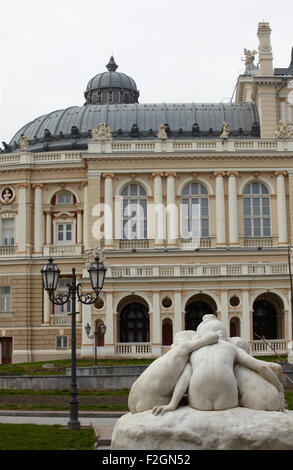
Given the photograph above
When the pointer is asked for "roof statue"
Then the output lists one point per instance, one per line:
(225, 131)
(283, 131)
(249, 57)
(162, 133)
(24, 143)
(101, 132)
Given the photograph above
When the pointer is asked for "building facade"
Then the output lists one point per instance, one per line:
(190, 205)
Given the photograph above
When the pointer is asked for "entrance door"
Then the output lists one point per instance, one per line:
(194, 313)
(6, 350)
(134, 324)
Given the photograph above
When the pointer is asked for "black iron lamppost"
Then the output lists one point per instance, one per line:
(50, 275)
(94, 336)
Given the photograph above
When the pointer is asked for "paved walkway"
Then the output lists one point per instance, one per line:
(102, 422)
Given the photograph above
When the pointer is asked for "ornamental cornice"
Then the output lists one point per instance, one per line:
(219, 173)
(280, 173)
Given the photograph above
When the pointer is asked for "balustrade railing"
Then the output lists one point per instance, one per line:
(7, 250)
(133, 244)
(267, 347)
(62, 319)
(201, 270)
(62, 250)
(133, 349)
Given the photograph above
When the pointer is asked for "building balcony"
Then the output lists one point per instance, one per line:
(199, 270)
(267, 348)
(7, 250)
(60, 319)
(252, 242)
(133, 349)
(134, 244)
(62, 250)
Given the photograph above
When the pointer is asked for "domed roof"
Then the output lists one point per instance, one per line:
(111, 79)
(108, 84)
(70, 128)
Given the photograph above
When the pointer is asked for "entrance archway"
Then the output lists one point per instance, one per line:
(100, 336)
(234, 327)
(268, 317)
(167, 332)
(196, 307)
(134, 321)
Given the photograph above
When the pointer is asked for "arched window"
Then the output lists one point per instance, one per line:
(167, 332)
(133, 212)
(194, 211)
(256, 210)
(134, 324)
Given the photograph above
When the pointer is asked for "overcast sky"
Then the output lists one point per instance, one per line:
(175, 50)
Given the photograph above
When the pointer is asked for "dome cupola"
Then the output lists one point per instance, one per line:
(111, 87)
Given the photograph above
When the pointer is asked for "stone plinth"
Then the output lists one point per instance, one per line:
(190, 429)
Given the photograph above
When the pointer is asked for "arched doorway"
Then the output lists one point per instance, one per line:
(198, 306)
(234, 327)
(268, 317)
(134, 323)
(100, 336)
(167, 332)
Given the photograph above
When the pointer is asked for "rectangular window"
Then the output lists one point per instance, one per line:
(64, 198)
(67, 307)
(65, 233)
(61, 342)
(5, 298)
(7, 232)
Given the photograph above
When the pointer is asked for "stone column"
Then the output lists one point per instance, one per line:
(38, 218)
(108, 210)
(245, 323)
(85, 216)
(158, 208)
(48, 228)
(156, 325)
(290, 218)
(281, 208)
(233, 208)
(92, 201)
(87, 344)
(224, 310)
(21, 222)
(109, 335)
(172, 221)
(220, 209)
(177, 313)
(47, 308)
(79, 227)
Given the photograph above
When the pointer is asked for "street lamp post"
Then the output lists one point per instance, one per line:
(95, 336)
(50, 275)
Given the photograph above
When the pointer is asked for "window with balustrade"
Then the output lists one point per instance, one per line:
(7, 232)
(67, 307)
(256, 210)
(5, 299)
(133, 212)
(194, 212)
(64, 232)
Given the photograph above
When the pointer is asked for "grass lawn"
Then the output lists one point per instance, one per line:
(58, 400)
(36, 368)
(45, 437)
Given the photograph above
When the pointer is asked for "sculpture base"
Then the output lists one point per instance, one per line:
(189, 429)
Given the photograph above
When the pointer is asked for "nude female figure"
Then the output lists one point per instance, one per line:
(213, 383)
(168, 373)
